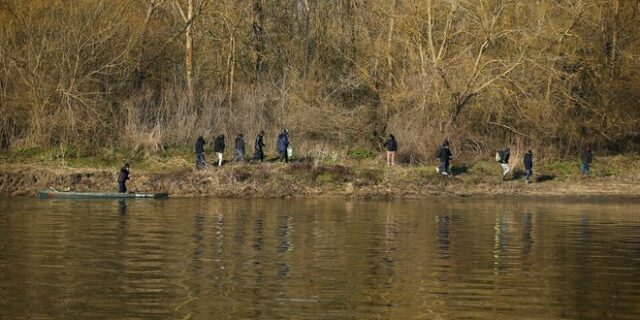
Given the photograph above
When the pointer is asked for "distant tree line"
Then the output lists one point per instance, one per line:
(548, 74)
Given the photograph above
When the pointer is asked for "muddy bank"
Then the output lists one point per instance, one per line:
(301, 180)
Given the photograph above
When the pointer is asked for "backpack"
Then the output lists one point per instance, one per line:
(498, 156)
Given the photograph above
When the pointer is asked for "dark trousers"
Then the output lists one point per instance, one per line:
(238, 155)
(284, 155)
(200, 162)
(444, 167)
(259, 155)
(122, 186)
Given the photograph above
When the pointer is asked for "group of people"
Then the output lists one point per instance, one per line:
(444, 155)
(284, 148)
(502, 157)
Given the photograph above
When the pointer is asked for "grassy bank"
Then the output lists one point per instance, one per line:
(352, 174)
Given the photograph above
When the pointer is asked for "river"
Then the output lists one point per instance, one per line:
(319, 259)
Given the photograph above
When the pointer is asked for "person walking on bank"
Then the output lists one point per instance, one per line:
(200, 162)
(259, 146)
(283, 145)
(218, 148)
(392, 147)
(444, 156)
(587, 157)
(239, 148)
(123, 176)
(503, 159)
(528, 165)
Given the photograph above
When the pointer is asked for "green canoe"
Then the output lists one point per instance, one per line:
(45, 194)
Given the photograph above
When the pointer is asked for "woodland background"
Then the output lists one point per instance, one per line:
(553, 75)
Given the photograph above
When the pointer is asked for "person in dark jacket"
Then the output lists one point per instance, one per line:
(587, 157)
(259, 146)
(528, 165)
(283, 145)
(504, 161)
(123, 176)
(392, 148)
(218, 148)
(200, 162)
(239, 148)
(444, 156)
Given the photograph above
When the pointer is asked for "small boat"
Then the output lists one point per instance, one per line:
(45, 194)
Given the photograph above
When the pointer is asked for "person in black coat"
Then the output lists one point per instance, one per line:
(239, 148)
(259, 146)
(392, 147)
(587, 157)
(528, 165)
(444, 156)
(283, 145)
(218, 148)
(200, 161)
(123, 176)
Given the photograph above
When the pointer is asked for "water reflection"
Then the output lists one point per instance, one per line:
(198, 237)
(284, 232)
(122, 206)
(527, 241)
(316, 259)
(442, 234)
(501, 241)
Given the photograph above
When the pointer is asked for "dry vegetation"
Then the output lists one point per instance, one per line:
(613, 176)
(143, 74)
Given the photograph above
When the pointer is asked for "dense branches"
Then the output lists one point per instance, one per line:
(553, 74)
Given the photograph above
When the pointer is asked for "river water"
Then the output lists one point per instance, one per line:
(319, 259)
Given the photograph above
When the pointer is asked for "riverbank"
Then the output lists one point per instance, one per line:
(363, 178)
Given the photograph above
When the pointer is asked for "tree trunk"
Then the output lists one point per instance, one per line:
(258, 34)
(189, 54)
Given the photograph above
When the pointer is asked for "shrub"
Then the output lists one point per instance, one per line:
(358, 153)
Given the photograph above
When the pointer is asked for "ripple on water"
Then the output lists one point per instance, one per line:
(318, 259)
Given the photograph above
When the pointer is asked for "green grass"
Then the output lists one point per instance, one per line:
(358, 154)
(358, 165)
(564, 168)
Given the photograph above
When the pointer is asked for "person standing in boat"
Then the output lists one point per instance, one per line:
(200, 162)
(122, 178)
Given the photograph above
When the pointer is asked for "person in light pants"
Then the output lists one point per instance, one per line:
(504, 162)
(218, 148)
